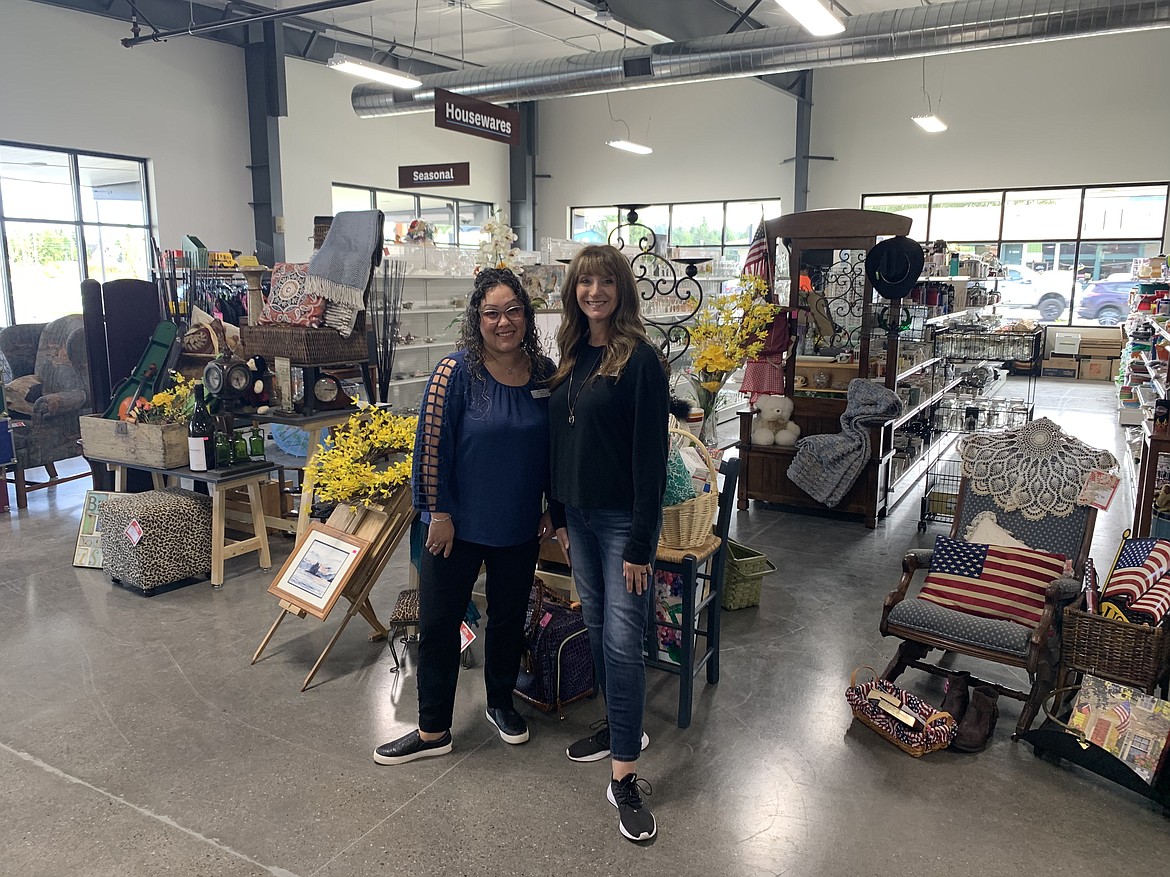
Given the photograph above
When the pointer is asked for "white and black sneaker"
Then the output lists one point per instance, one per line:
(412, 747)
(596, 746)
(635, 820)
(511, 725)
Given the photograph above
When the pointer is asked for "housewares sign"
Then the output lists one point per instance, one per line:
(418, 176)
(478, 118)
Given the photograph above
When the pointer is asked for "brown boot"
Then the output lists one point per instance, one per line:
(978, 722)
(957, 695)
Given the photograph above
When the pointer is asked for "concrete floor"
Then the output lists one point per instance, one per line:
(135, 739)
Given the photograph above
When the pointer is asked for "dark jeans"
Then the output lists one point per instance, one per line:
(444, 592)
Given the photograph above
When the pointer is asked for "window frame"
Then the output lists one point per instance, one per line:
(78, 223)
(375, 190)
(1079, 240)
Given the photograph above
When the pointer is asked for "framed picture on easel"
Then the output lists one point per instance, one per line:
(88, 552)
(316, 573)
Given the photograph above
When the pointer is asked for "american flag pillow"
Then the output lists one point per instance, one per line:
(1140, 564)
(991, 581)
(1152, 606)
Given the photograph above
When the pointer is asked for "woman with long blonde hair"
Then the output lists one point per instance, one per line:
(608, 428)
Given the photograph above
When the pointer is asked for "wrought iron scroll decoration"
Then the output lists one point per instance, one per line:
(669, 300)
(837, 304)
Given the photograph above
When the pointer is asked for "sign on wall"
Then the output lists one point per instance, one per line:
(418, 176)
(468, 115)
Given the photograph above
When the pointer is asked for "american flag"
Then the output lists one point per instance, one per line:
(1122, 711)
(1141, 563)
(758, 262)
(990, 580)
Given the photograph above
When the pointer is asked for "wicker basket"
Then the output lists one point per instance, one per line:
(743, 576)
(939, 728)
(303, 346)
(1132, 654)
(688, 524)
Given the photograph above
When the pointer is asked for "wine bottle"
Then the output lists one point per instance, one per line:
(200, 435)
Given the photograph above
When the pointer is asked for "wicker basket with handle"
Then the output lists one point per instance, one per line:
(688, 524)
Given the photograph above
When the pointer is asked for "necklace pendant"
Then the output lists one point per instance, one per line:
(572, 420)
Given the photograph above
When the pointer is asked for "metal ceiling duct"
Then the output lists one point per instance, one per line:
(964, 25)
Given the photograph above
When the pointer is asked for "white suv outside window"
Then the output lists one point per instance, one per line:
(1023, 287)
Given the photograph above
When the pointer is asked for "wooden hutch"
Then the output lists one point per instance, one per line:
(827, 247)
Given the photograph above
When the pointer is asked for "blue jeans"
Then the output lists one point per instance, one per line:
(616, 620)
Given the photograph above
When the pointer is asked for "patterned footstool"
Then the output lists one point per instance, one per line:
(175, 543)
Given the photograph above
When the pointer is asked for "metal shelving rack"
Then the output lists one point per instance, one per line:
(972, 401)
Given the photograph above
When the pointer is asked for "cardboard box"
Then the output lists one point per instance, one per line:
(942, 503)
(1096, 369)
(1102, 346)
(1059, 367)
(156, 445)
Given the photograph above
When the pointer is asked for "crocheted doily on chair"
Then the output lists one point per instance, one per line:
(1036, 469)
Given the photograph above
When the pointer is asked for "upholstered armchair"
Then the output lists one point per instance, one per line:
(48, 391)
(998, 593)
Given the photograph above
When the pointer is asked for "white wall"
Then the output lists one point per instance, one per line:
(68, 82)
(1068, 112)
(322, 141)
(711, 140)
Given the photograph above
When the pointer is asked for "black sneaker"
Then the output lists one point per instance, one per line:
(634, 818)
(596, 747)
(511, 725)
(410, 747)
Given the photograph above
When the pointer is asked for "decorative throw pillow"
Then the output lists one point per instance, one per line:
(1140, 564)
(20, 393)
(991, 581)
(288, 303)
(985, 530)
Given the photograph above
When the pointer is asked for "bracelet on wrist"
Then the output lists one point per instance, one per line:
(435, 520)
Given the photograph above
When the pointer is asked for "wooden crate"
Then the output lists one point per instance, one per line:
(157, 445)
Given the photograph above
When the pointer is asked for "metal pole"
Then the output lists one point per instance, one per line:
(273, 15)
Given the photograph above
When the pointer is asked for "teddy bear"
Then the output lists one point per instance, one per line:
(772, 424)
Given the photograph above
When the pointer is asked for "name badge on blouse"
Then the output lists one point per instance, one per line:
(540, 393)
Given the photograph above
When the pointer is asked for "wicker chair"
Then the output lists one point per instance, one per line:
(923, 625)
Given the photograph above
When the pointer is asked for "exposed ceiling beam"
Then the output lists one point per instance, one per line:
(195, 30)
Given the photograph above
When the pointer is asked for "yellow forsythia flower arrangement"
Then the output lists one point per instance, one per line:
(727, 331)
(169, 406)
(369, 458)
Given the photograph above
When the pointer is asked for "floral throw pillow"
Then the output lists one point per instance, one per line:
(288, 303)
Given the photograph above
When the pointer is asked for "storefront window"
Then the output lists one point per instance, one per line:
(457, 223)
(1050, 272)
(50, 245)
(592, 225)
(696, 225)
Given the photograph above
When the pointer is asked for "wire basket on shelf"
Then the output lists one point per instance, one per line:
(688, 524)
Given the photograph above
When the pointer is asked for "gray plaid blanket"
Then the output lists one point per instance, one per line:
(340, 271)
(826, 466)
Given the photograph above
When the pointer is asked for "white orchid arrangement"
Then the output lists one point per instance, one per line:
(497, 251)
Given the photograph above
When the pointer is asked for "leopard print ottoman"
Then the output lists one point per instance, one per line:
(175, 543)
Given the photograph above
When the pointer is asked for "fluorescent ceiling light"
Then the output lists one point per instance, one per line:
(629, 146)
(932, 123)
(813, 16)
(369, 70)
(655, 35)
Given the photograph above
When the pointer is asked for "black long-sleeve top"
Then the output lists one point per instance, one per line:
(613, 456)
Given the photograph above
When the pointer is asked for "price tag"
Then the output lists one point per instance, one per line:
(133, 531)
(1099, 489)
(466, 635)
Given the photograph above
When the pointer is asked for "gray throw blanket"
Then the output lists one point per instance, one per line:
(340, 271)
(826, 466)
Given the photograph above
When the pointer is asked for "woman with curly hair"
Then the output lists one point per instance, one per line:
(609, 444)
(480, 478)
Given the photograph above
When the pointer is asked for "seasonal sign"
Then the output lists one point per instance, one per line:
(418, 176)
(476, 117)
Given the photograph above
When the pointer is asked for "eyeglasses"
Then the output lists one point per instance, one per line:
(513, 314)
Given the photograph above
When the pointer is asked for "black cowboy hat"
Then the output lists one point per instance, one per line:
(893, 266)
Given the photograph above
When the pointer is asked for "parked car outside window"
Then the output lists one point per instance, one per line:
(1046, 291)
(1106, 301)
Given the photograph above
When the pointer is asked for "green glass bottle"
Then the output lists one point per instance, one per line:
(239, 449)
(223, 449)
(256, 444)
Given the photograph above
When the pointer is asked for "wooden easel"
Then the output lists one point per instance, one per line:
(383, 526)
